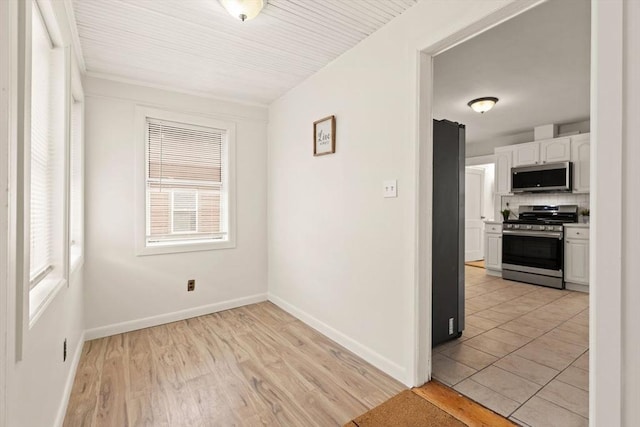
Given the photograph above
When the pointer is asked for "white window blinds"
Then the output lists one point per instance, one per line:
(185, 183)
(43, 151)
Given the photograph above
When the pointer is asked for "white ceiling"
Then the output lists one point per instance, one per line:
(537, 64)
(195, 46)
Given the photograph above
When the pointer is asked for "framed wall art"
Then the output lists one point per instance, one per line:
(324, 136)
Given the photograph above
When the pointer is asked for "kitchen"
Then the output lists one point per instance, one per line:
(522, 347)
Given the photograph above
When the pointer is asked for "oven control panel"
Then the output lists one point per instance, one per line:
(532, 227)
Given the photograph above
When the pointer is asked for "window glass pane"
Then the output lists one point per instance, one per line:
(42, 149)
(184, 222)
(185, 182)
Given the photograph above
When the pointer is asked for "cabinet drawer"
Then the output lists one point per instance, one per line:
(493, 228)
(576, 233)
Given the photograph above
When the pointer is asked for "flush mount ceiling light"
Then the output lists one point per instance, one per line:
(243, 9)
(482, 105)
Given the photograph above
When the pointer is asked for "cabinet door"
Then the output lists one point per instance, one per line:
(576, 261)
(555, 150)
(581, 158)
(526, 154)
(493, 251)
(504, 159)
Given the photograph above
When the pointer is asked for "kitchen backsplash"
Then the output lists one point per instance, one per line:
(582, 200)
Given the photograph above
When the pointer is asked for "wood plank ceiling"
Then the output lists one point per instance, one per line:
(195, 46)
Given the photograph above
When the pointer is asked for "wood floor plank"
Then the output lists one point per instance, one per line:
(141, 372)
(286, 411)
(86, 385)
(112, 405)
(256, 365)
(209, 396)
(148, 410)
(115, 346)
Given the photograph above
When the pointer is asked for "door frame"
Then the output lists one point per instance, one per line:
(7, 74)
(605, 327)
(424, 55)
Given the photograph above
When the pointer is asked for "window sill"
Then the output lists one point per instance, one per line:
(185, 247)
(41, 296)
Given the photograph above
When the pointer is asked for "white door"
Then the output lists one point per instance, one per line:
(473, 209)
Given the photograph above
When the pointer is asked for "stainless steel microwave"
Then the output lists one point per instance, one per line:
(549, 177)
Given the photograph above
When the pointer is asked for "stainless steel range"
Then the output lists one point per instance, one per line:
(533, 245)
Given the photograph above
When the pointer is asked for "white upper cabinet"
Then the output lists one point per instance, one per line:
(573, 149)
(504, 162)
(581, 158)
(539, 152)
(555, 150)
(526, 154)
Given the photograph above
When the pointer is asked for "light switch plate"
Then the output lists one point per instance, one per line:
(390, 188)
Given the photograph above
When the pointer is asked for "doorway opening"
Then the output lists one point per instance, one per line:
(524, 349)
(478, 208)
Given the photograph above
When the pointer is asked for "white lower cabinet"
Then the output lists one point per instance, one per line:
(493, 248)
(576, 258)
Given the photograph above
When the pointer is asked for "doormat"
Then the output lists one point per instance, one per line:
(406, 409)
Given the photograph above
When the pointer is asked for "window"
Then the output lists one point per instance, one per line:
(187, 185)
(76, 189)
(47, 151)
(46, 154)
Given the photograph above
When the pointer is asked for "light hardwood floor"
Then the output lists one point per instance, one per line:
(250, 366)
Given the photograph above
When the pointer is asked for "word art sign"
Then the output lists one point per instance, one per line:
(324, 136)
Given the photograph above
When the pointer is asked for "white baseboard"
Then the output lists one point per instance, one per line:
(62, 410)
(497, 273)
(577, 287)
(377, 360)
(132, 325)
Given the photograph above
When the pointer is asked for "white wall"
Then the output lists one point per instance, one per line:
(38, 384)
(340, 256)
(122, 289)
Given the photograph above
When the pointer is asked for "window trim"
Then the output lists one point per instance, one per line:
(36, 299)
(76, 96)
(141, 115)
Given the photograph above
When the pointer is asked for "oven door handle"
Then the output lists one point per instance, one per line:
(532, 234)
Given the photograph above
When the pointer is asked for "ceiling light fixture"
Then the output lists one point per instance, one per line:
(482, 105)
(243, 9)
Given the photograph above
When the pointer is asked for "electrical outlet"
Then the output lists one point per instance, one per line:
(191, 285)
(64, 350)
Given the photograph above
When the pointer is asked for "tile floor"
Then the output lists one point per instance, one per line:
(524, 352)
